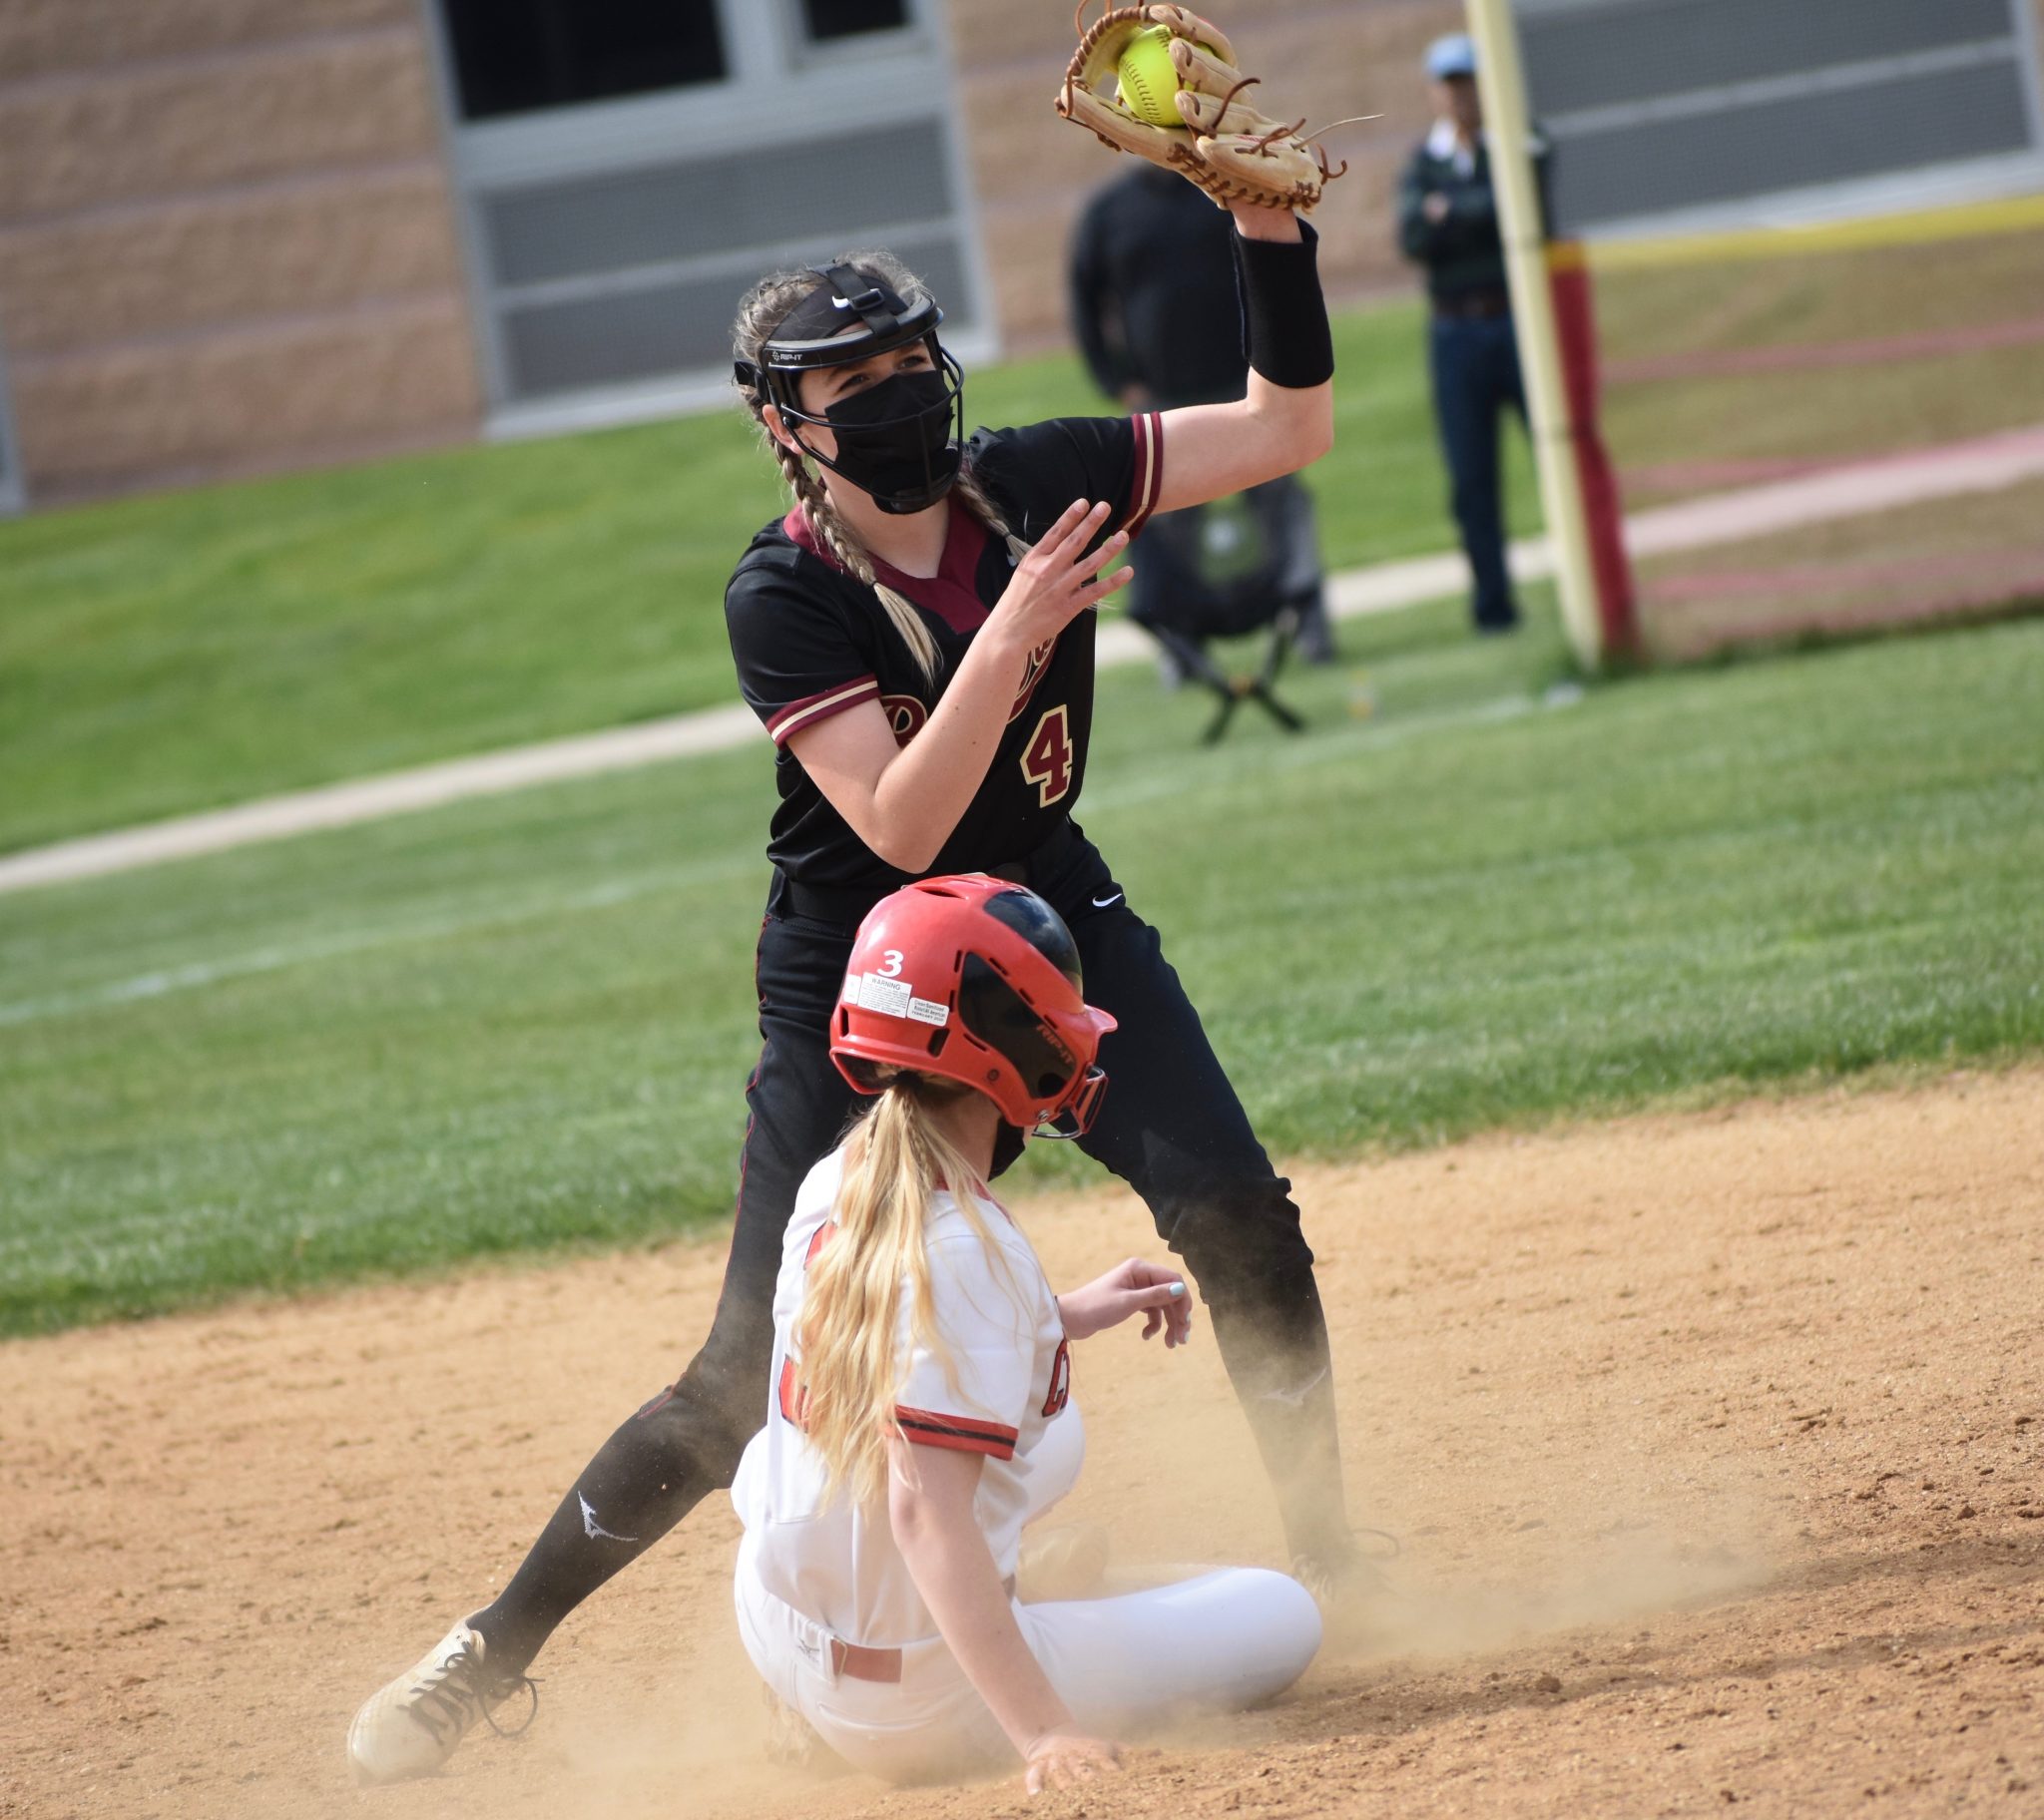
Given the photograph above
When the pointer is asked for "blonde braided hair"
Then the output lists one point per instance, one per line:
(849, 1327)
(761, 311)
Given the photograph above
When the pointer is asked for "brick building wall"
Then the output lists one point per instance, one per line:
(226, 239)
(226, 231)
(1326, 59)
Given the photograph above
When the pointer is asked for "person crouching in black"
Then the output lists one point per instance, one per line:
(1156, 316)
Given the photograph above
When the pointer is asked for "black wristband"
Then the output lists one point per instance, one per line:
(1284, 316)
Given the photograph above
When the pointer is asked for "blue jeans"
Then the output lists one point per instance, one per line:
(1475, 367)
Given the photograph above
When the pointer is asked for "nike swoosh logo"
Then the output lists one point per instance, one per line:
(1108, 901)
(594, 1529)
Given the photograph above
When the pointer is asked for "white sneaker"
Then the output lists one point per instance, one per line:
(1348, 1587)
(413, 1726)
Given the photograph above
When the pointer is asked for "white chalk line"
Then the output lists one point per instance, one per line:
(1330, 747)
(1983, 464)
(278, 958)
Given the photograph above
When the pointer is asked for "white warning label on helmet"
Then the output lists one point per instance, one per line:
(891, 998)
(929, 1011)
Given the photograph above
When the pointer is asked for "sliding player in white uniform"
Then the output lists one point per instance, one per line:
(921, 1413)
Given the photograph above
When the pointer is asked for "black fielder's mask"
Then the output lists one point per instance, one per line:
(900, 440)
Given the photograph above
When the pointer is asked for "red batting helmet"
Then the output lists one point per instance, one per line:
(976, 980)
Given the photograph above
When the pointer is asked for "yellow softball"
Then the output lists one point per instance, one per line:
(1148, 79)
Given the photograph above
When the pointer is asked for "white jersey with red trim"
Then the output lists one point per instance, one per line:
(990, 1379)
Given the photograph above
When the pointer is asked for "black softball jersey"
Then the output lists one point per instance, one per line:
(811, 642)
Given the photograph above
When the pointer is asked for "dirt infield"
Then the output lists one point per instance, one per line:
(1714, 1442)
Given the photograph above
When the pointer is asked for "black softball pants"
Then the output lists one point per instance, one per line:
(1170, 1126)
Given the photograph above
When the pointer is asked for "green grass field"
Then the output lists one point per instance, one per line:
(1463, 899)
(523, 1024)
(171, 654)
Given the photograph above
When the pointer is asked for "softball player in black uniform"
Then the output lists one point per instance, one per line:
(915, 637)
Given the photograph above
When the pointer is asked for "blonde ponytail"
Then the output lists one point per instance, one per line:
(848, 1329)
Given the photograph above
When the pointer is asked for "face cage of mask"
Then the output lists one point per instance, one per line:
(784, 385)
(998, 1017)
(1075, 1118)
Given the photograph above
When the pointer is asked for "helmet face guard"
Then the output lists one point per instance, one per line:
(902, 441)
(1076, 1118)
(974, 980)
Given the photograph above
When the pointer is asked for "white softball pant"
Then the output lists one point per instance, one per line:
(1225, 1639)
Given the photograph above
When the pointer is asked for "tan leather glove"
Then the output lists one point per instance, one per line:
(1224, 146)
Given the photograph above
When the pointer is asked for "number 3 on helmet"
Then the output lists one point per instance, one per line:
(977, 981)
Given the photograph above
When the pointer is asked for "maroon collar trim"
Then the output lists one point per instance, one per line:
(950, 593)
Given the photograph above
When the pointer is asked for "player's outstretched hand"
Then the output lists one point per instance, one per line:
(1056, 581)
(1062, 1760)
(1159, 1295)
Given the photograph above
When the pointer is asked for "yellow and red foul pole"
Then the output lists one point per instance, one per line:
(1555, 327)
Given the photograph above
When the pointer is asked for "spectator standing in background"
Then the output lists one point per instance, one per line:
(1448, 221)
(1156, 315)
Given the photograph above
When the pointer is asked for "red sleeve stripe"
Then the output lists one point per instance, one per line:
(812, 708)
(790, 1395)
(1147, 486)
(972, 1425)
(927, 1428)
